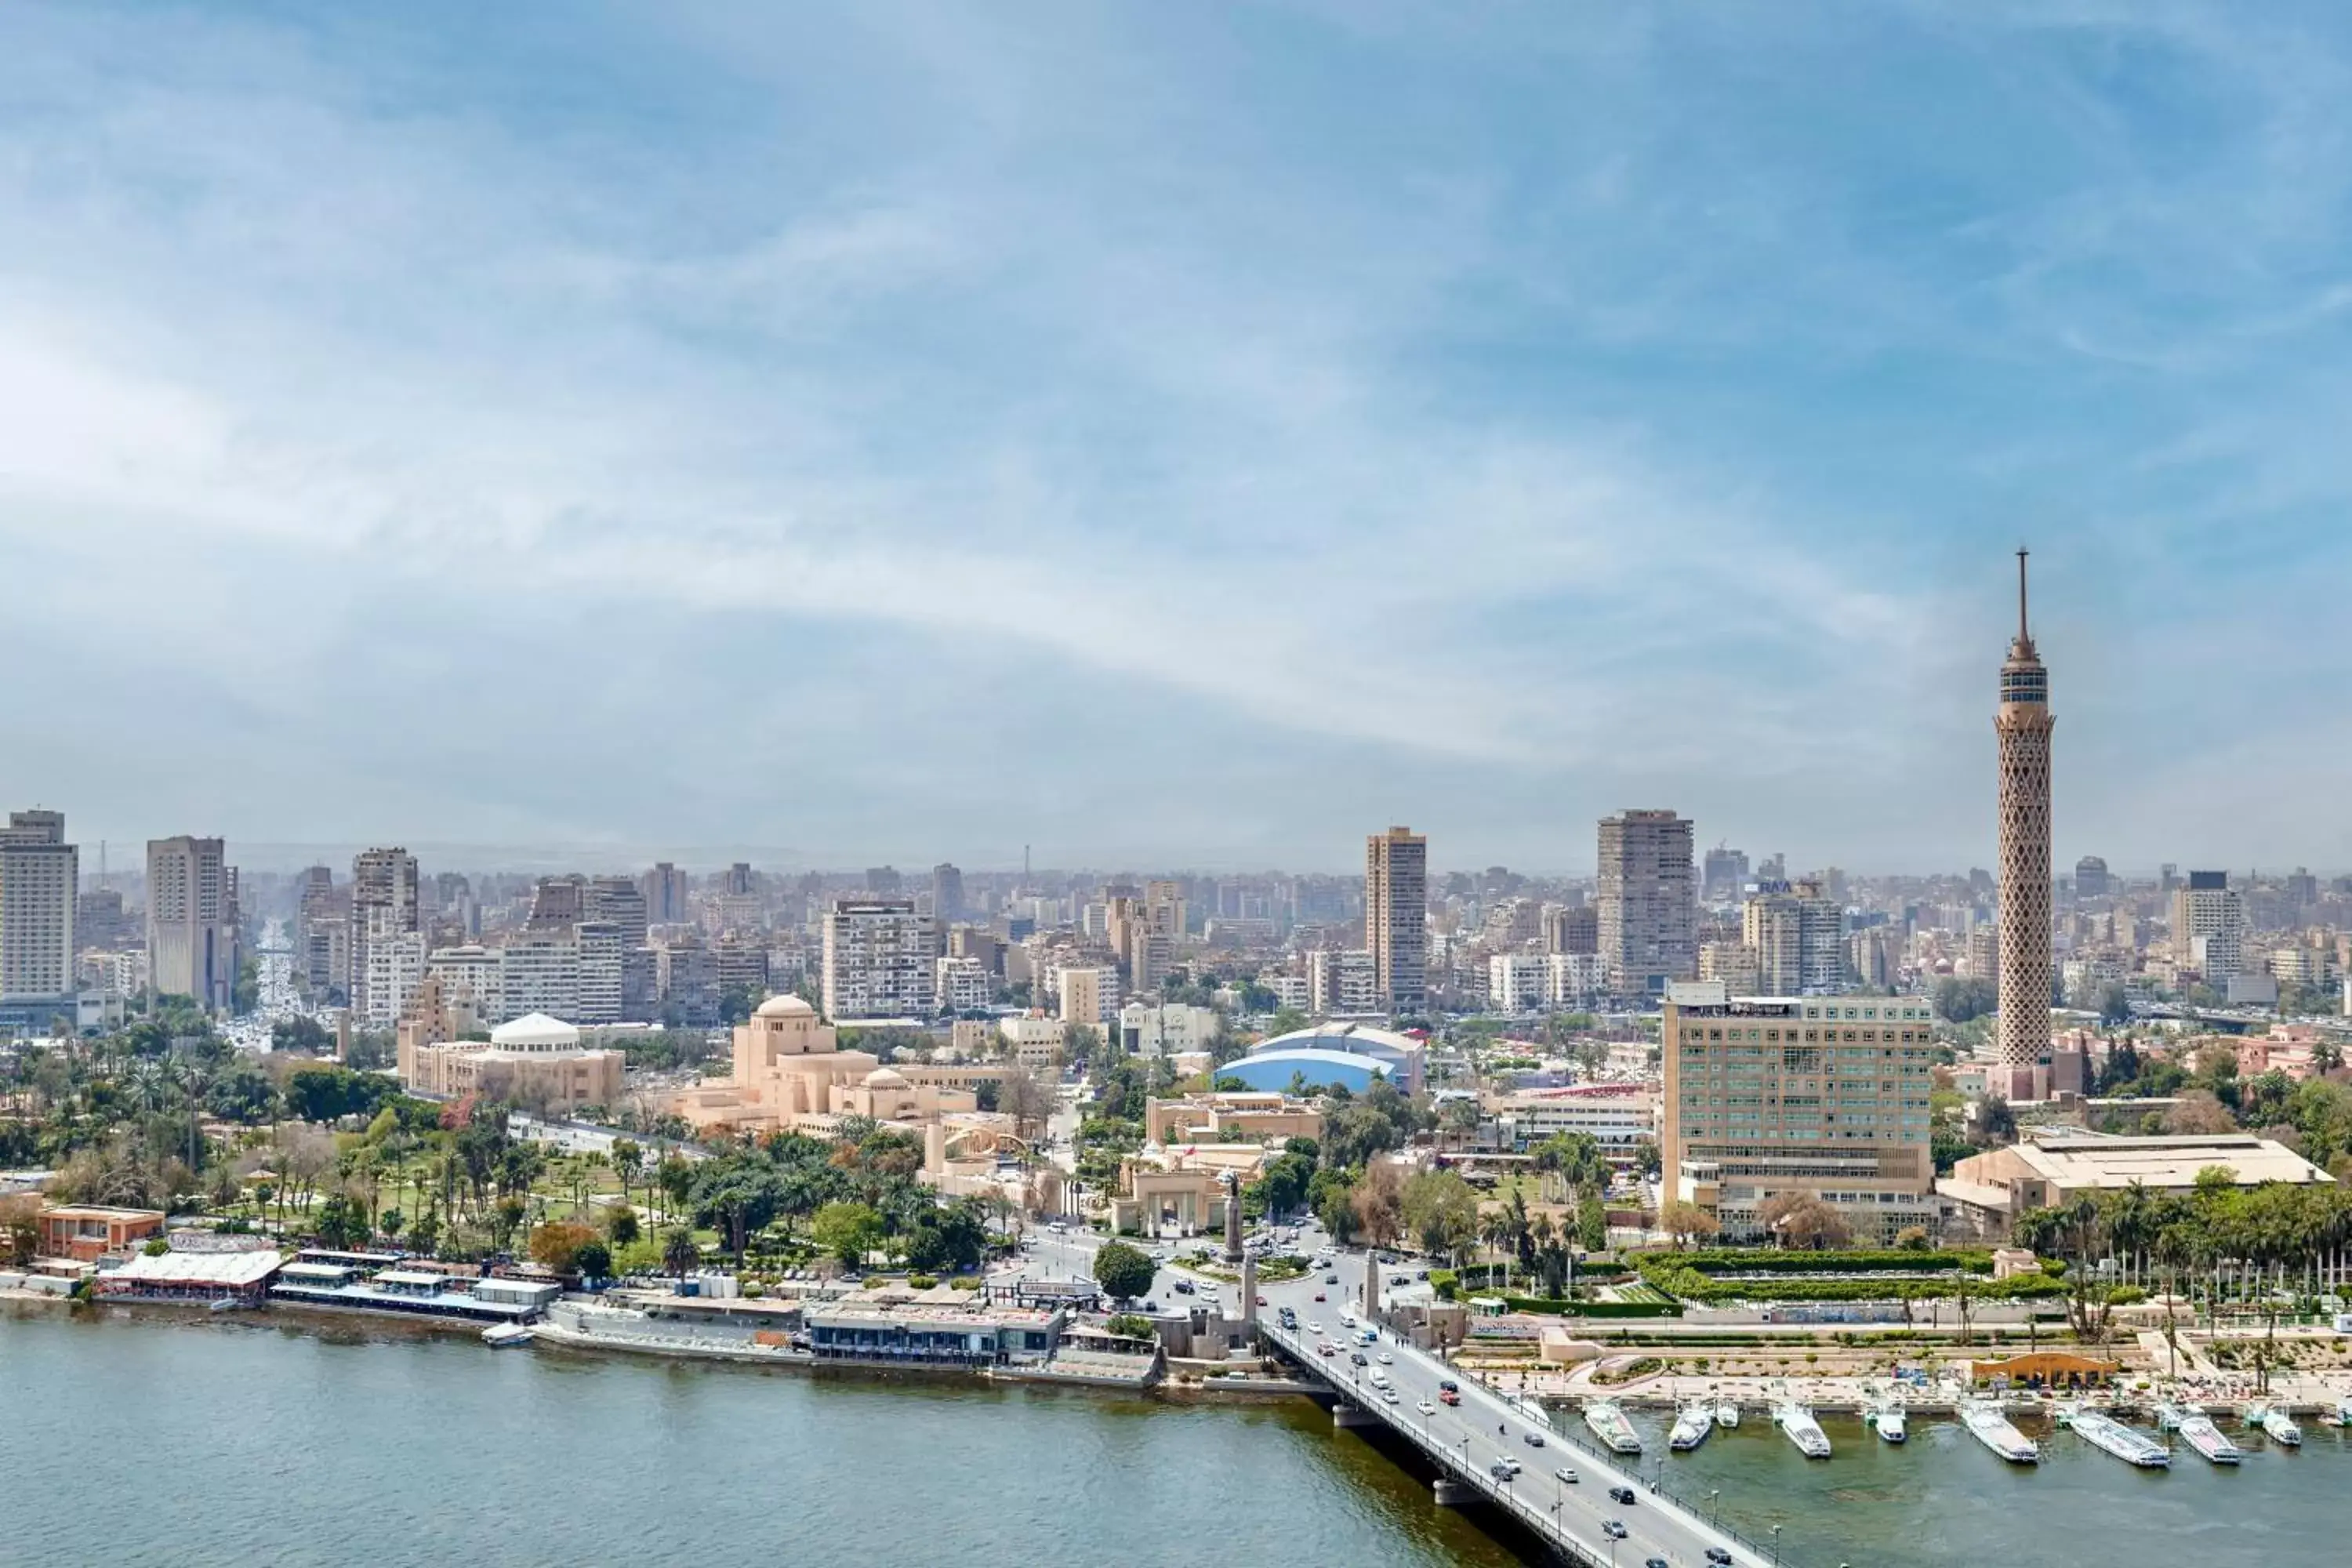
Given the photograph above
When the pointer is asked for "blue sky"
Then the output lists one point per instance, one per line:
(1189, 434)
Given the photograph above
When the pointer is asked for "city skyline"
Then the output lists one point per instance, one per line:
(1409, 443)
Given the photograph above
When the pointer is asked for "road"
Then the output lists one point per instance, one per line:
(1484, 1428)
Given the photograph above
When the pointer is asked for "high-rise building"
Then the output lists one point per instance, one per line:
(601, 972)
(2024, 723)
(1090, 996)
(1575, 928)
(1771, 1096)
(1798, 936)
(878, 958)
(947, 892)
(622, 901)
(39, 876)
(1396, 916)
(1648, 921)
(192, 940)
(538, 972)
(385, 914)
(884, 882)
(2092, 879)
(2209, 927)
(1342, 983)
(1725, 876)
(665, 888)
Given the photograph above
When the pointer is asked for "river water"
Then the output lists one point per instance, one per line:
(144, 1437)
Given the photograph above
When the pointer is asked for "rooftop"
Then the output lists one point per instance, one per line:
(2076, 1161)
(225, 1269)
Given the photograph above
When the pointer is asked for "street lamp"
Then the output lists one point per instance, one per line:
(1775, 1544)
(1712, 1512)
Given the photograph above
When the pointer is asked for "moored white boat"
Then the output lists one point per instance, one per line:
(2125, 1443)
(1692, 1425)
(1797, 1424)
(1988, 1425)
(1727, 1413)
(2169, 1417)
(1609, 1424)
(2280, 1428)
(1890, 1424)
(501, 1336)
(2199, 1432)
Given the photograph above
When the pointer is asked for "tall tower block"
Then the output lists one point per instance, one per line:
(2022, 722)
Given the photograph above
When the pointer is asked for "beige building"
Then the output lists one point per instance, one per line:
(1735, 963)
(1245, 1117)
(1648, 902)
(790, 1074)
(1183, 1192)
(1770, 1096)
(1084, 993)
(1033, 1039)
(1991, 1190)
(192, 940)
(1396, 917)
(534, 1060)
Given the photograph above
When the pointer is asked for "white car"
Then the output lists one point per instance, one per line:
(1385, 1359)
(1427, 1408)
(1314, 1327)
(1389, 1394)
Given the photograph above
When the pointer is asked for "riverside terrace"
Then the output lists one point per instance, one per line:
(932, 1335)
(1460, 1443)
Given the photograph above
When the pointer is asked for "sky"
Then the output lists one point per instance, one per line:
(1183, 436)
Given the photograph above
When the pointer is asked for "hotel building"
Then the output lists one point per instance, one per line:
(1766, 1095)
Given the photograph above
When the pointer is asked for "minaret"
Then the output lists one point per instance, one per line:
(2023, 722)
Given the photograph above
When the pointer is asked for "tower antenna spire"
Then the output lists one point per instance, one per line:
(2021, 633)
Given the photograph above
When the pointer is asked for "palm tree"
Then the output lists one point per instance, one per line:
(680, 1253)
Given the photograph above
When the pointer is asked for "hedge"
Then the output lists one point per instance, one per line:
(1692, 1286)
(1551, 1306)
(1883, 1260)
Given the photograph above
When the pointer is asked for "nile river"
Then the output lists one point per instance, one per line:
(164, 1440)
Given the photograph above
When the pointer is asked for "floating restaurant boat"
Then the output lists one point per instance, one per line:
(1692, 1424)
(505, 1336)
(2128, 1444)
(1609, 1424)
(1988, 1425)
(1727, 1413)
(2198, 1432)
(1797, 1424)
(2280, 1428)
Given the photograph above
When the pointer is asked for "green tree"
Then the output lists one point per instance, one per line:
(1124, 1272)
(593, 1260)
(621, 1225)
(1441, 1209)
(848, 1231)
(679, 1254)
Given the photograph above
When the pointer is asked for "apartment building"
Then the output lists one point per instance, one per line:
(1648, 902)
(1396, 916)
(879, 955)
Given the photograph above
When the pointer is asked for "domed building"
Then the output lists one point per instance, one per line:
(790, 1074)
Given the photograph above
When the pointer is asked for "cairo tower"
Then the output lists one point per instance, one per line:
(2023, 724)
